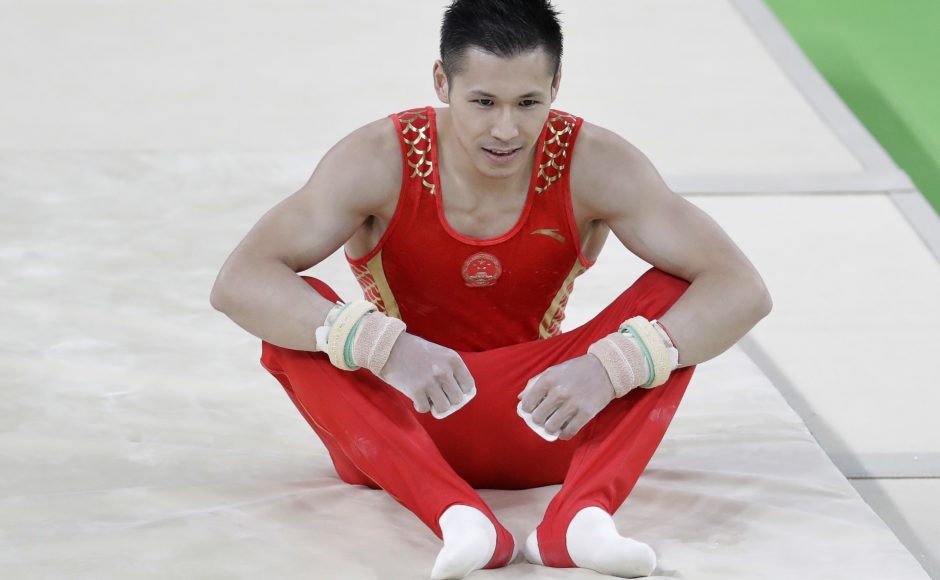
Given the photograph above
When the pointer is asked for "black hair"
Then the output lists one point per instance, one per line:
(505, 28)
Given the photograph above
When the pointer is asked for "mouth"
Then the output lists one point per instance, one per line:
(501, 155)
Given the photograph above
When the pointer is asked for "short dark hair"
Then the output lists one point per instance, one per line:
(505, 28)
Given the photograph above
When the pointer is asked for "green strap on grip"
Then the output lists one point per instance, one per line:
(646, 353)
(347, 351)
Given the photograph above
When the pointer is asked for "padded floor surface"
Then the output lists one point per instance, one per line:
(141, 439)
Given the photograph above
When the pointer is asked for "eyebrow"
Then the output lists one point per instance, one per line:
(479, 93)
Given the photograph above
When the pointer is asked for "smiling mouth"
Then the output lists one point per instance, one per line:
(501, 152)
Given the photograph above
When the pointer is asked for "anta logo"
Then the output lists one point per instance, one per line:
(552, 233)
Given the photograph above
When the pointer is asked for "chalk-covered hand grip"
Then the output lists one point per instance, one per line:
(466, 399)
(527, 417)
(430, 375)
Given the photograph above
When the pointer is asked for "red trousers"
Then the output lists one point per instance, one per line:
(376, 438)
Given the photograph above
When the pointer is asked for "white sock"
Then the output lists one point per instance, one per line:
(531, 549)
(593, 542)
(469, 542)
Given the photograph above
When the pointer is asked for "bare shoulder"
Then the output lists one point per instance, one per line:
(624, 190)
(365, 166)
(608, 172)
(354, 180)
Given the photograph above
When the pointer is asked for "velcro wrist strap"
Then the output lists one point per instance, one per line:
(654, 346)
(323, 331)
(623, 360)
(342, 327)
(374, 341)
(670, 345)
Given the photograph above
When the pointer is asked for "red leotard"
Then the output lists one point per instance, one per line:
(468, 293)
(498, 303)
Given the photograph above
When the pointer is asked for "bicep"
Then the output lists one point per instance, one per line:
(304, 228)
(315, 221)
(655, 223)
(671, 233)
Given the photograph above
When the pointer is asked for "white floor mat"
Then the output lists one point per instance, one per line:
(140, 438)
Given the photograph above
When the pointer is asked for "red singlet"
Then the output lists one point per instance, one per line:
(476, 294)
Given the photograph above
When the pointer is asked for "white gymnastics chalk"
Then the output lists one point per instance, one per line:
(466, 399)
(527, 417)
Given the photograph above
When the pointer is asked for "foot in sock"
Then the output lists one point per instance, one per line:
(593, 542)
(469, 542)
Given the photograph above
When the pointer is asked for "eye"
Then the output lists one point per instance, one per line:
(485, 102)
(528, 103)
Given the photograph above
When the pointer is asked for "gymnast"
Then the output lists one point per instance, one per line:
(466, 226)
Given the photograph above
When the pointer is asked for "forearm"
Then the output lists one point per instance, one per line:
(272, 302)
(714, 313)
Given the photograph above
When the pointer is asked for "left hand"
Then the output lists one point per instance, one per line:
(568, 395)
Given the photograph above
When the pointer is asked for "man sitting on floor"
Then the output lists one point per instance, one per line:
(466, 227)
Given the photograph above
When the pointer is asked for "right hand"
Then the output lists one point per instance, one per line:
(434, 377)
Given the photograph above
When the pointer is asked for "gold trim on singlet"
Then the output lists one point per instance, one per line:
(415, 128)
(375, 288)
(560, 127)
(551, 321)
(418, 156)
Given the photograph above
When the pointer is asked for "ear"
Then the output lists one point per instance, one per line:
(556, 82)
(441, 87)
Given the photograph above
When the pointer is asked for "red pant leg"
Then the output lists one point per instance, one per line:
(490, 446)
(371, 426)
(486, 442)
(619, 442)
(345, 469)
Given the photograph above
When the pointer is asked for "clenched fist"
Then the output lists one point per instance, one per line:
(563, 398)
(434, 377)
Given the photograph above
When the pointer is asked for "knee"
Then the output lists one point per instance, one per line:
(365, 481)
(352, 476)
(664, 282)
(659, 290)
(322, 288)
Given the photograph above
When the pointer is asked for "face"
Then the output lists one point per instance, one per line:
(498, 107)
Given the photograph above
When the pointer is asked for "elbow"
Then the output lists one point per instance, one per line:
(215, 299)
(762, 299)
(218, 295)
(764, 302)
(766, 305)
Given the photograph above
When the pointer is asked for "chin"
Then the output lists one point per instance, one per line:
(490, 170)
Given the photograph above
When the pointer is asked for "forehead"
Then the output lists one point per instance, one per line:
(487, 72)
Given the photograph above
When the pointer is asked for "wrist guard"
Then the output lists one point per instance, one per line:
(637, 355)
(356, 335)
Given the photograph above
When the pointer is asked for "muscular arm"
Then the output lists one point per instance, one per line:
(258, 286)
(726, 296)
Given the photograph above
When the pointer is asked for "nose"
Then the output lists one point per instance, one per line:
(504, 126)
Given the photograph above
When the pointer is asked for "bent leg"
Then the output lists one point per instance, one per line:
(619, 442)
(489, 445)
(370, 427)
(345, 469)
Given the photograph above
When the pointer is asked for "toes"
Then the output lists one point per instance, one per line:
(531, 549)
